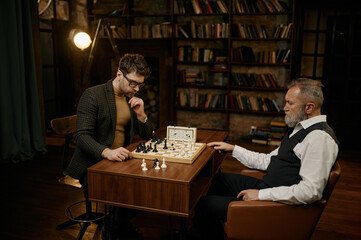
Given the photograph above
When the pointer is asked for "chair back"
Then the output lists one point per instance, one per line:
(64, 126)
(332, 180)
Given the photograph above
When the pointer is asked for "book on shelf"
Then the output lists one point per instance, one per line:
(278, 123)
(222, 5)
(182, 31)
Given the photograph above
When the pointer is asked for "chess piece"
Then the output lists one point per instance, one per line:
(155, 148)
(165, 144)
(163, 164)
(138, 149)
(155, 162)
(157, 166)
(143, 163)
(154, 138)
(144, 167)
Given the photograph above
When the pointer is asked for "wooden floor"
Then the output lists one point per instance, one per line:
(33, 202)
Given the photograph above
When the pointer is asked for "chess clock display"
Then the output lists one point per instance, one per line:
(176, 133)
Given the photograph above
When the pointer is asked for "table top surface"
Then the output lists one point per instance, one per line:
(175, 172)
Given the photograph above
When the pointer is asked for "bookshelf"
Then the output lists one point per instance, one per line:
(231, 59)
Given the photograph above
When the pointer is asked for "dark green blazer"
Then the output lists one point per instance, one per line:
(95, 128)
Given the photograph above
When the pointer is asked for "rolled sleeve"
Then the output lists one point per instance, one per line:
(253, 159)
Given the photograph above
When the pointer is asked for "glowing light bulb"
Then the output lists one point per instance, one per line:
(82, 40)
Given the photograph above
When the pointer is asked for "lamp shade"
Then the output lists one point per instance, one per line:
(82, 40)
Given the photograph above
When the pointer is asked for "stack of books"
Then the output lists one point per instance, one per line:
(277, 130)
(261, 135)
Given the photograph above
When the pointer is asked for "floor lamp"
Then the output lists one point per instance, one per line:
(89, 63)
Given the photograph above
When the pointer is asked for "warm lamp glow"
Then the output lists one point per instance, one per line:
(82, 40)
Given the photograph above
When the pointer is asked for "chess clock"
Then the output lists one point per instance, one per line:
(181, 133)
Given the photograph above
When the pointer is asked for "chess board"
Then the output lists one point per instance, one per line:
(177, 151)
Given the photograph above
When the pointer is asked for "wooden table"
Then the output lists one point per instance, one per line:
(174, 190)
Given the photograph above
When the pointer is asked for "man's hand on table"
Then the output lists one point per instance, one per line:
(118, 154)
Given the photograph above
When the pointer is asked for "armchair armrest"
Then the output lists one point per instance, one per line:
(271, 220)
(253, 173)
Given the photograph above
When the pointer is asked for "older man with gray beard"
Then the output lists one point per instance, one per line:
(297, 171)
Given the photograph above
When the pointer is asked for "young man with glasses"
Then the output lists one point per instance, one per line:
(108, 116)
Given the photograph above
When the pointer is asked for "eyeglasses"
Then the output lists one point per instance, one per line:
(133, 83)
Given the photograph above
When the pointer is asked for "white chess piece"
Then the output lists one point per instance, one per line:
(145, 167)
(143, 163)
(157, 167)
(163, 164)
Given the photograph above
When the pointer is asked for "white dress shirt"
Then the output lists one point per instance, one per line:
(317, 152)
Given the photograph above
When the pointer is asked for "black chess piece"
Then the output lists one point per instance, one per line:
(154, 137)
(138, 149)
(155, 148)
(155, 162)
(165, 144)
(142, 146)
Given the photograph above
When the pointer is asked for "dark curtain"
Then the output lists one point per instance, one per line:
(20, 121)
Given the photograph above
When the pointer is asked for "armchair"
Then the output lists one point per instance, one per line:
(272, 220)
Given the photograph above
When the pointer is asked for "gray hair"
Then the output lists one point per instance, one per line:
(310, 89)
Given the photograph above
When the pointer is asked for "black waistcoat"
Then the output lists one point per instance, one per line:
(284, 168)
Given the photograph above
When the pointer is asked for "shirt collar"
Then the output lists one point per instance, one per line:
(311, 121)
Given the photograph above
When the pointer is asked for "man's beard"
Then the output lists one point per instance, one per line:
(292, 120)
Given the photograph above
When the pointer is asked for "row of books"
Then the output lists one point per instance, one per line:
(264, 80)
(200, 6)
(117, 31)
(190, 54)
(208, 100)
(208, 30)
(192, 30)
(283, 31)
(259, 6)
(258, 31)
(195, 76)
(245, 54)
(250, 31)
(162, 30)
(253, 103)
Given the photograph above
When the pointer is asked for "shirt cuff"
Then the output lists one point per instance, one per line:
(236, 150)
(265, 194)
